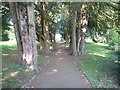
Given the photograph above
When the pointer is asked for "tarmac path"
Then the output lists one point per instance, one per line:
(61, 72)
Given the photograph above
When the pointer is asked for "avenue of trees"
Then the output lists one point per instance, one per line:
(75, 21)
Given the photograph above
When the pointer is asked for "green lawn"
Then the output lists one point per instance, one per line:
(14, 75)
(100, 66)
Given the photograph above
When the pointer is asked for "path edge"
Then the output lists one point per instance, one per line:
(24, 86)
(75, 61)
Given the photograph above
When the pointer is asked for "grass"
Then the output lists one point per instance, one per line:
(14, 75)
(100, 66)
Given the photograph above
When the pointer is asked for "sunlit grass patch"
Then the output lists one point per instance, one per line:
(99, 66)
(13, 74)
(9, 47)
(67, 45)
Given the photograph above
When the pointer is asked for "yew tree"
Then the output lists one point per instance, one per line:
(23, 19)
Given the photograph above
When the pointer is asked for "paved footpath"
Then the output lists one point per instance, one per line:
(61, 72)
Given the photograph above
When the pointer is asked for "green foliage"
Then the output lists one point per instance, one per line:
(6, 30)
(5, 35)
(102, 17)
(11, 34)
(76, 6)
(103, 25)
(30, 25)
(8, 35)
(113, 38)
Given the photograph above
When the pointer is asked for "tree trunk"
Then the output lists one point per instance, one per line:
(78, 44)
(42, 44)
(23, 19)
(84, 23)
(79, 34)
(54, 42)
(70, 47)
(45, 30)
(41, 35)
(74, 17)
(82, 43)
(14, 12)
(47, 41)
(32, 34)
(67, 38)
(52, 39)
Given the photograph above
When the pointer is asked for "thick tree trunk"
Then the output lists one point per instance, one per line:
(41, 35)
(14, 12)
(46, 36)
(25, 33)
(74, 17)
(32, 34)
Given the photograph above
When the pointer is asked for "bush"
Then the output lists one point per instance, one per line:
(113, 38)
(11, 34)
(8, 34)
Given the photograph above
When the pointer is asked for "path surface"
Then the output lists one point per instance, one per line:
(61, 72)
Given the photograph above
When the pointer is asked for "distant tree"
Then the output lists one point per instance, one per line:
(84, 23)
(74, 17)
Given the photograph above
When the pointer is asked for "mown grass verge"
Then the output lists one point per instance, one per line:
(13, 74)
(100, 66)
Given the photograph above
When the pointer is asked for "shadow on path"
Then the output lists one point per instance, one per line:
(61, 72)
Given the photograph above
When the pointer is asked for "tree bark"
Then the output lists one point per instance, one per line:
(45, 30)
(42, 44)
(32, 34)
(53, 39)
(41, 35)
(78, 42)
(84, 23)
(67, 38)
(47, 41)
(82, 43)
(14, 12)
(23, 19)
(74, 17)
(79, 33)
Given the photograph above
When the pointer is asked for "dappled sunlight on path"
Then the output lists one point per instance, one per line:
(61, 72)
